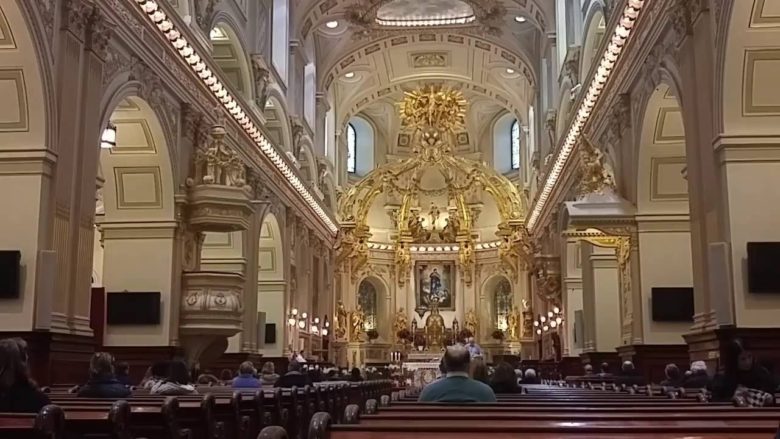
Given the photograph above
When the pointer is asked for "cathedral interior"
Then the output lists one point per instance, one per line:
(365, 182)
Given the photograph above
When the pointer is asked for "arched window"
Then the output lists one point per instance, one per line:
(367, 301)
(515, 136)
(351, 142)
(502, 302)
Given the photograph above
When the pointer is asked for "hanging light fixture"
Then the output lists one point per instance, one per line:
(108, 138)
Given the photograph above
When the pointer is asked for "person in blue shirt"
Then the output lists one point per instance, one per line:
(457, 386)
(102, 381)
(246, 377)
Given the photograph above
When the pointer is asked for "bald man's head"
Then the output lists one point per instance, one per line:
(456, 358)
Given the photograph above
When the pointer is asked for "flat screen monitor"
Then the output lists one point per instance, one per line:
(763, 267)
(672, 304)
(10, 271)
(133, 308)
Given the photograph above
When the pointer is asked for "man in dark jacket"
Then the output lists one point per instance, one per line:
(102, 382)
(293, 377)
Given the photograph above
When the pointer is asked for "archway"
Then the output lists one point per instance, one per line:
(135, 219)
(370, 295)
(595, 29)
(662, 210)
(271, 286)
(229, 54)
(498, 290)
(27, 133)
(277, 120)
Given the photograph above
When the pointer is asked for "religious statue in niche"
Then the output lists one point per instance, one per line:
(400, 323)
(434, 328)
(435, 281)
(470, 322)
(358, 320)
(341, 321)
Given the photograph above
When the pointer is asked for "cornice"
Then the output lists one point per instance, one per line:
(136, 31)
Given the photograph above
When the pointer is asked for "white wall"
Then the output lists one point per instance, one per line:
(364, 145)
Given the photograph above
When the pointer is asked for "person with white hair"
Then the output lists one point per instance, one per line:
(530, 377)
(474, 349)
(698, 379)
(629, 376)
(457, 386)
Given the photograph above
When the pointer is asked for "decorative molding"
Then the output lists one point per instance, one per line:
(14, 96)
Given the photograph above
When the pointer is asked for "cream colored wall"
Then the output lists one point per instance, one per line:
(605, 298)
(572, 287)
(754, 210)
(223, 252)
(21, 230)
(665, 261)
(271, 301)
(140, 264)
(271, 285)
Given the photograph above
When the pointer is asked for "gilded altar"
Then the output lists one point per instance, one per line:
(427, 234)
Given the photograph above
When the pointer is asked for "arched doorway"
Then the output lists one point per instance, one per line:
(271, 286)
(135, 221)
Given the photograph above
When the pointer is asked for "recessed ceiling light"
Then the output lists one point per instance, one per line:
(520, 19)
(349, 75)
(510, 71)
(332, 24)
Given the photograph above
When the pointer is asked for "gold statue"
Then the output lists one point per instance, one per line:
(470, 322)
(597, 175)
(358, 319)
(434, 328)
(400, 323)
(341, 321)
(513, 324)
(403, 262)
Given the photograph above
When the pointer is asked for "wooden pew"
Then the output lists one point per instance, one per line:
(48, 424)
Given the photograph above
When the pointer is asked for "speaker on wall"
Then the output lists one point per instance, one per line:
(10, 273)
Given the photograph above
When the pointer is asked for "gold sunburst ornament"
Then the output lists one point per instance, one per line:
(434, 107)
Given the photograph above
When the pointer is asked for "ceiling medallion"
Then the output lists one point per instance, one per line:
(371, 18)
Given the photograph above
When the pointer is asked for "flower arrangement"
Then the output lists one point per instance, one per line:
(498, 335)
(404, 335)
(372, 334)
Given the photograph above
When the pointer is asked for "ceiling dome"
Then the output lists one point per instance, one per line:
(424, 12)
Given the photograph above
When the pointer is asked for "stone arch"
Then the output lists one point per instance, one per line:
(228, 50)
(277, 119)
(136, 215)
(565, 107)
(595, 30)
(328, 188)
(661, 155)
(271, 284)
(308, 161)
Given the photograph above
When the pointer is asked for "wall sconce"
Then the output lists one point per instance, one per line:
(325, 326)
(293, 317)
(315, 326)
(108, 138)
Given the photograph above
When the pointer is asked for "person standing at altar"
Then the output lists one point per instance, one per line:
(457, 386)
(474, 349)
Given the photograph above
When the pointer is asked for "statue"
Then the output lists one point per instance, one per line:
(456, 330)
(434, 212)
(400, 323)
(597, 176)
(358, 319)
(513, 324)
(341, 321)
(470, 322)
(434, 327)
(403, 262)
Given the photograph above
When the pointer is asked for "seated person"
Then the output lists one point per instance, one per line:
(226, 376)
(156, 373)
(673, 376)
(102, 382)
(246, 377)
(529, 377)
(740, 370)
(123, 373)
(697, 377)
(478, 369)
(354, 375)
(457, 386)
(269, 375)
(176, 383)
(293, 377)
(18, 393)
(207, 379)
(504, 379)
(588, 370)
(604, 373)
(629, 376)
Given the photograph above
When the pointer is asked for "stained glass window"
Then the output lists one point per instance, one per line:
(502, 302)
(367, 301)
(515, 145)
(351, 141)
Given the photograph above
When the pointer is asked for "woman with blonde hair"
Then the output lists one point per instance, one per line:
(102, 382)
(268, 374)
